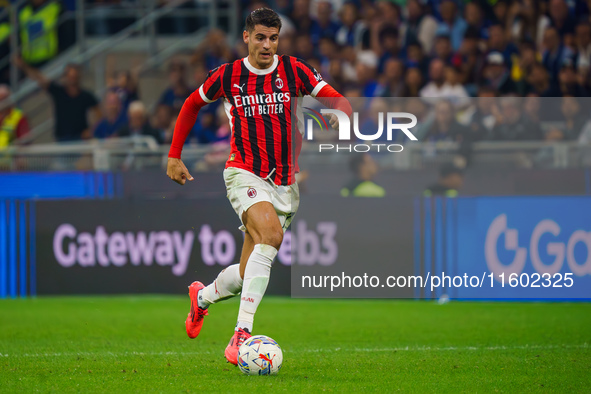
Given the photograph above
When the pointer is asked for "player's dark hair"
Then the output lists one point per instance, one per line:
(262, 16)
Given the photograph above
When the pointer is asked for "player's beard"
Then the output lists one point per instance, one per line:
(265, 61)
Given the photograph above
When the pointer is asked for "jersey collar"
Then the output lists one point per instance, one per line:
(257, 71)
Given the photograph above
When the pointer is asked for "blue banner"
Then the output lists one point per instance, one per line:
(521, 247)
(52, 185)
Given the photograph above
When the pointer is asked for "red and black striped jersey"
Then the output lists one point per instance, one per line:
(259, 106)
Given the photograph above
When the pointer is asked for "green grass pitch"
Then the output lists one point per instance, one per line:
(137, 344)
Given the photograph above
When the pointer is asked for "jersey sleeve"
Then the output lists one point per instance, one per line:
(310, 80)
(211, 90)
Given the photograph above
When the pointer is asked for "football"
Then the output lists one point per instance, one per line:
(260, 355)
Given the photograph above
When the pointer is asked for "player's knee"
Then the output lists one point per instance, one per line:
(273, 238)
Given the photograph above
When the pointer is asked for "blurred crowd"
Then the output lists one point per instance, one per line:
(439, 53)
(46, 28)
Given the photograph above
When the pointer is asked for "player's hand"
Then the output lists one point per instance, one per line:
(176, 170)
(333, 120)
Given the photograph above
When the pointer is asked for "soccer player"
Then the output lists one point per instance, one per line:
(260, 172)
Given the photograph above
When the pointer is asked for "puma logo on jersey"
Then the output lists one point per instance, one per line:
(239, 86)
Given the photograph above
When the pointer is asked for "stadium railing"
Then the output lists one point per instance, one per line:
(97, 155)
(144, 153)
(140, 36)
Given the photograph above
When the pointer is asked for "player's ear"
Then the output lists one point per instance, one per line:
(245, 36)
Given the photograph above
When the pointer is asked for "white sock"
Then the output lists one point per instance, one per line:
(256, 278)
(226, 285)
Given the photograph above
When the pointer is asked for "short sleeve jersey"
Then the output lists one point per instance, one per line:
(259, 106)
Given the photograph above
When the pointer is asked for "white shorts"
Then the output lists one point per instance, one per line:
(244, 189)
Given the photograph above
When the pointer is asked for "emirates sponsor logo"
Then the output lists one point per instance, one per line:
(255, 99)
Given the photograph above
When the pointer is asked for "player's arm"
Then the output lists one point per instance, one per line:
(207, 93)
(175, 168)
(330, 98)
(312, 84)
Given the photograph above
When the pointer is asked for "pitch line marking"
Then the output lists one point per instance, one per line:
(321, 350)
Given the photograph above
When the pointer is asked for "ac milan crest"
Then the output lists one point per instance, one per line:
(251, 192)
(279, 83)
